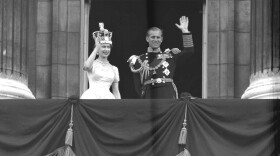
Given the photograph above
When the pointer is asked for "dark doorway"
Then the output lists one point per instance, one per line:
(129, 20)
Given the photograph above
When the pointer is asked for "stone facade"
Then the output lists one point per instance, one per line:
(228, 48)
(57, 47)
(56, 71)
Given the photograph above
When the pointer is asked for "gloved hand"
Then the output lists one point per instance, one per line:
(132, 59)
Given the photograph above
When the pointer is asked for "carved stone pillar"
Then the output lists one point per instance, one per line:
(265, 74)
(13, 49)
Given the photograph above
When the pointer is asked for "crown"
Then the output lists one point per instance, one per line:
(104, 36)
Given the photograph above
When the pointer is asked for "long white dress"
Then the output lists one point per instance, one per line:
(100, 79)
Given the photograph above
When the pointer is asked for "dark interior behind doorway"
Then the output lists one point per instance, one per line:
(129, 20)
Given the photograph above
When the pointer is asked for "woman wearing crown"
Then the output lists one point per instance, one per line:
(101, 74)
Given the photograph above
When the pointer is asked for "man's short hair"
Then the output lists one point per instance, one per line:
(154, 29)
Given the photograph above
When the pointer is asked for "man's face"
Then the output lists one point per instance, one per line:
(154, 39)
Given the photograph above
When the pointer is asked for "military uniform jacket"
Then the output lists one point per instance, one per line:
(157, 68)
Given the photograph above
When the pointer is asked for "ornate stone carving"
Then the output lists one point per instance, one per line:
(265, 74)
(264, 85)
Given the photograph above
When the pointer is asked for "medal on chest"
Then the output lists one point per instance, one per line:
(158, 64)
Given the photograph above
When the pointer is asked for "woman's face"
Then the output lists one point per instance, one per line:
(105, 50)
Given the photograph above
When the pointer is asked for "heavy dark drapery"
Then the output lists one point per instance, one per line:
(140, 127)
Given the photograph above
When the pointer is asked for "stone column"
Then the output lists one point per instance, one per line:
(14, 49)
(265, 74)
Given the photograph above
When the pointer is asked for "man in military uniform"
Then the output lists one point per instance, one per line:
(155, 69)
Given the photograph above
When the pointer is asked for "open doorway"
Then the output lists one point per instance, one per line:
(129, 20)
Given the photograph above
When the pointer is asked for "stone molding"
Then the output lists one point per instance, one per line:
(15, 77)
(12, 89)
(264, 85)
(265, 74)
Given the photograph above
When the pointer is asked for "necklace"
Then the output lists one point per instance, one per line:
(103, 62)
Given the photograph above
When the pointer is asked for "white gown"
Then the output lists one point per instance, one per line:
(100, 80)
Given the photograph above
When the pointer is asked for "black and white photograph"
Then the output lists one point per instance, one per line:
(139, 77)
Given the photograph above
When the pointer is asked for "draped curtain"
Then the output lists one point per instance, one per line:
(140, 127)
